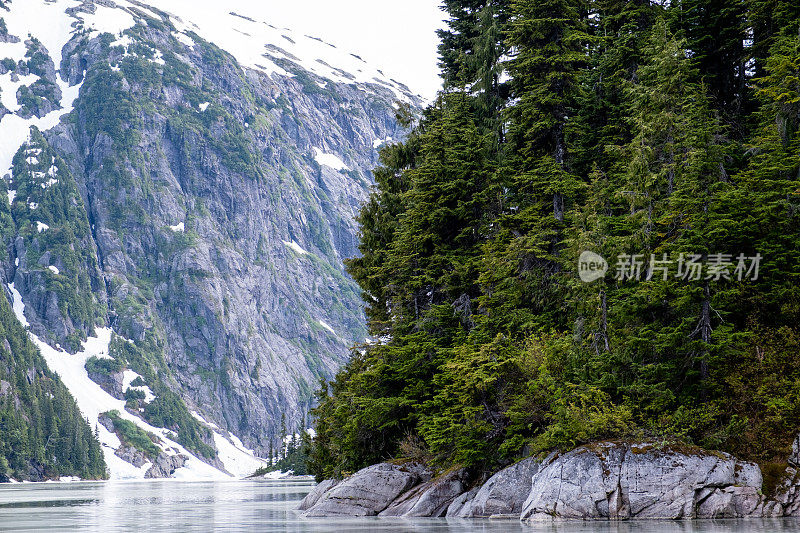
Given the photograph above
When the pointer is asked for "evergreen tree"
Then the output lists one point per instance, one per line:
(42, 432)
(715, 33)
(624, 134)
(472, 56)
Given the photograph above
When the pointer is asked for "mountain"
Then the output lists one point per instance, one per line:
(181, 191)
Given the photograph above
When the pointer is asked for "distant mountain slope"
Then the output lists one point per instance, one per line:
(187, 211)
(42, 432)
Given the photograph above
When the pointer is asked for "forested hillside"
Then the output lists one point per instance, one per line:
(660, 136)
(43, 435)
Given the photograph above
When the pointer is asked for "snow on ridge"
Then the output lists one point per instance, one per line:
(326, 326)
(257, 44)
(47, 22)
(253, 43)
(329, 160)
(107, 19)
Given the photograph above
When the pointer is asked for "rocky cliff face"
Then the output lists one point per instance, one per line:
(198, 204)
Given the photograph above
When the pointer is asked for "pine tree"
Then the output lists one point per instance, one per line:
(522, 261)
(769, 20)
(619, 29)
(714, 31)
(622, 134)
(472, 56)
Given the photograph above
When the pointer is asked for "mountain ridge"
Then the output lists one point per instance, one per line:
(211, 208)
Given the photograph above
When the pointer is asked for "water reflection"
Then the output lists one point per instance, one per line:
(264, 506)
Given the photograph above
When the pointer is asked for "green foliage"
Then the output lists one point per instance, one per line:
(107, 108)
(95, 365)
(133, 435)
(143, 357)
(636, 130)
(37, 58)
(33, 97)
(42, 432)
(169, 411)
(293, 456)
(132, 395)
(48, 194)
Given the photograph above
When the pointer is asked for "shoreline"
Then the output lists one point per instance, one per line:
(601, 482)
(293, 479)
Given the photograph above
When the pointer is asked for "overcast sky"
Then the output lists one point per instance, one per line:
(397, 37)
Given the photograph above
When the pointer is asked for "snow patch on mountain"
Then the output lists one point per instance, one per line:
(47, 22)
(296, 247)
(238, 460)
(128, 377)
(261, 46)
(329, 160)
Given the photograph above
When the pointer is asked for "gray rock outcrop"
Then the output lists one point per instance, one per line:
(503, 494)
(109, 382)
(601, 481)
(432, 498)
(369, 491)
(165, 466)
(621, 481)
(455, 509)
(318, 492)
(132, 456)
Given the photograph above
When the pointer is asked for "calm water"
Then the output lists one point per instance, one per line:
(259, 506)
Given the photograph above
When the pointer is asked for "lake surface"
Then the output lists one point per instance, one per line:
(261, 506)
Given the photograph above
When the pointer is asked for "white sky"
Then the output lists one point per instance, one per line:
(397, 37)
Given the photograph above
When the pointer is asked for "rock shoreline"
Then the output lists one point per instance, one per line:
(601, 481)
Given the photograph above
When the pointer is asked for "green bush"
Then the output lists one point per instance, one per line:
(133, 435)
(167, 410)
(95, 365)
(134, 394)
